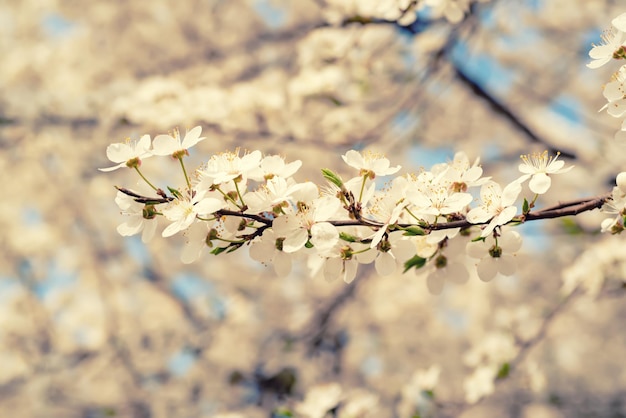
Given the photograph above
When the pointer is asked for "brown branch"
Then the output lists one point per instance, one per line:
(559, 210)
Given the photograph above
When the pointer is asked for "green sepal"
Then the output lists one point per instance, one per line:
(308, 244)
(414, 262)
(175, 192)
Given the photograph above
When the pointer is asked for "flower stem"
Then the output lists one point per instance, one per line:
(144, 178)
(185, 173)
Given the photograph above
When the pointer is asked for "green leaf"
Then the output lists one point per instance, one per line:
(413, 231)
(233, 247)
(415, 262)
(347, 237)
(571, 227)
(525, 207)
(218, 250)
(332, 177)
(504, 371)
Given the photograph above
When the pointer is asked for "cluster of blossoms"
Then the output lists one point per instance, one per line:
(249, 199)
(613, 46)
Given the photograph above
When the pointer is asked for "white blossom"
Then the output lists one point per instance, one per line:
(128, 153)
(539, 167)
(497, 205)
(171, 144)
(612, 40)
(136, 221)
(369, 163)
(229, 166)
(183, 212)
(495, 256)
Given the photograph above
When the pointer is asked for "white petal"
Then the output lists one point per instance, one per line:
(191, 252)
(333, 268)
(350, 269)
(324, 236)
(510, 193)
(119, 152)
(506, 265)
(477, 249)
(478, 215)
(510, 241)
(131, 227)
(262, 250)
(620, 180)
(165, 145)
(192, 137)
(353, 159)
(540, 183)
(457, 273)
(295, 240)
(282, 263)
(487, 269)
(435, 282)
(208, 205)
(385, 264)
(115, 167)
(620, 22)
(149, 229)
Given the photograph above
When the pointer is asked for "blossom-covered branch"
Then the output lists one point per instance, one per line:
(237, 200)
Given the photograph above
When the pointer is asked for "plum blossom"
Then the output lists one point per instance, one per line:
(230, 166)
(173, 144)
(195, 241)
(614, 92)
(495, 256)
(539, 167)
(612, 43)
(137, 221)
(128, 153)
(183, 211)
(389, 252)
(276, 193)
(335, 267)
(370, 164)
(274, 166)
(448, 267)
(615, 205)
(309, 223)
(269, 249)
(497, 205)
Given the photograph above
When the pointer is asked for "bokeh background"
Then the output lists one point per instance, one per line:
(93, 324)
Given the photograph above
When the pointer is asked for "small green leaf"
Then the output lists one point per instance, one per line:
(414, 262)
(479, 238)
(413, 231)
(525, 207)
(332, 177)
(308, 244)
(504, 371)
(347, 237)
(571, 227)
(218, 250)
